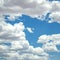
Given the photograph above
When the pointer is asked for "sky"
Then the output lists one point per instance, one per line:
(30, 30)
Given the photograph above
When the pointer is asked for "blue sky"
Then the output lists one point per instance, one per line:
(30, 29)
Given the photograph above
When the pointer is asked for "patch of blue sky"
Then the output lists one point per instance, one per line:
(40, 28)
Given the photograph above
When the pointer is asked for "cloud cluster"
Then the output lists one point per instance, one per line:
(13, 44)
(49, 42)
(33, 8)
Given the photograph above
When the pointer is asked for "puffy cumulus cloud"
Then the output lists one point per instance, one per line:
(33, 8)
(55, 17)
(9, 32)
(55, 6)
(43, 39)
(25, 56)
(13, 44)
(50, 47)
(55, 12)
(32, 57)
(49, 42)
(17, 45)
(29, 53)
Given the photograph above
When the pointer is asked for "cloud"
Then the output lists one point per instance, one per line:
(54, 17)
(19, 48)
(50, 47)
(30, 29)
(9, 32)
(14, 45)
(1, 3)
(55, 12)
(33, 8)
(49, 42)
(26, 56)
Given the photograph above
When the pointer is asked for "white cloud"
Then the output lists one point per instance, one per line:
(10, 32)
(55, 6)
(32, 57)
(33, 8)
(43, 39)
(18, 45)
(19, 48)
(55, 17)
(30, 29)
(15, 35)
(49, 42)
(1, 3)
(50, 47)
(25, 56)
(55, 12)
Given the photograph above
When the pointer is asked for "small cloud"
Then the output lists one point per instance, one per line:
(30, 29)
